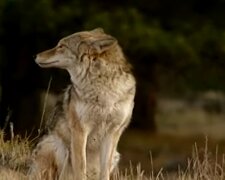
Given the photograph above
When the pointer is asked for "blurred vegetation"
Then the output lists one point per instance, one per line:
(176, 47)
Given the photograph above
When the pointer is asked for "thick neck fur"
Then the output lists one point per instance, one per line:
(104, 78)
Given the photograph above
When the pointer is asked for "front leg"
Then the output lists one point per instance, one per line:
(78, 153)
(108, 151)
(77, 146)
(106, 156)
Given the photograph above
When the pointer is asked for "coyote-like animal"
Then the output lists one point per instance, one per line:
(96, 108)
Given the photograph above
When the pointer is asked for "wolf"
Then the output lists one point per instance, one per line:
(96, 107)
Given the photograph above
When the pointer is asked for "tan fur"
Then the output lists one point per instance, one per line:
(95, 109)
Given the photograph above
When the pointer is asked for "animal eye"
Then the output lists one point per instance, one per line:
(60, 46)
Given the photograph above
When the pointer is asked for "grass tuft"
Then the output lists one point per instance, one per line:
(202, 165)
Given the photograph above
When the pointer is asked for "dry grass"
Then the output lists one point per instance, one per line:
(14, 153)
(14, 157)
(202, 165)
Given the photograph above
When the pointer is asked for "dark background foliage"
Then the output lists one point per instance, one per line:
(176, 47)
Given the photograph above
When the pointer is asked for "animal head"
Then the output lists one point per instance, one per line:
(76, 49)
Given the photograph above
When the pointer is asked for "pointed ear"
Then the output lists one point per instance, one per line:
(98, 31)
(103, 44)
